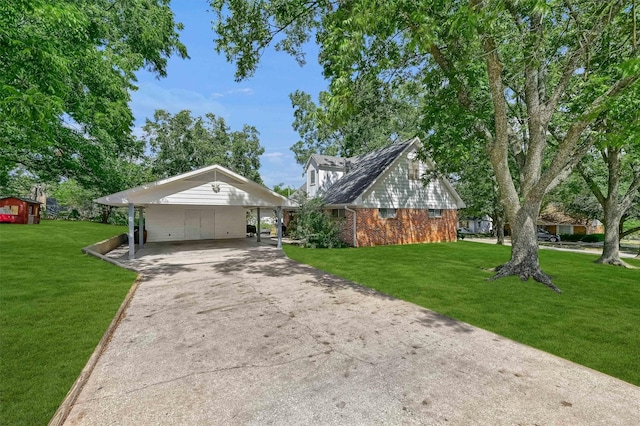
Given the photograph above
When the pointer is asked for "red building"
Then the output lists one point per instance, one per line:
(19, 210)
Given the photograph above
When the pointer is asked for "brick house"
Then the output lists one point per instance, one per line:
(380, 199)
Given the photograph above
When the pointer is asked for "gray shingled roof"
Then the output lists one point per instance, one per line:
(364, 171)
(328, 160)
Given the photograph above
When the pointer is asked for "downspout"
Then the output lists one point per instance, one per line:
(355, 240)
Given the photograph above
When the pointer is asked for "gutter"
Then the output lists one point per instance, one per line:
(355, 240)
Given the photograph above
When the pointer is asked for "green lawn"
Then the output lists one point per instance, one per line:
(55, 305)
(595, 322)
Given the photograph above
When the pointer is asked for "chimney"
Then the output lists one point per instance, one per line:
(347, 166)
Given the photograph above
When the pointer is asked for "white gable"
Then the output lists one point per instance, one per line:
(394, 189)
(209, 186)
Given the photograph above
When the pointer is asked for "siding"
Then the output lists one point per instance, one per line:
(324, 178)
(179, 223)
(410, 226)
(203, 195)
(395, 190)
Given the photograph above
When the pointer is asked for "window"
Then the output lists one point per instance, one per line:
(387, 213)
(312, 177)
(414, 170)
(338, 213)
(565, 229)
(435, 212)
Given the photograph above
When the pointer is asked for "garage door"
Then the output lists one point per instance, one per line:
(199, 224)
(180, 223)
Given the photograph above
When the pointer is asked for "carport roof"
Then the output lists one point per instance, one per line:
(245, 192)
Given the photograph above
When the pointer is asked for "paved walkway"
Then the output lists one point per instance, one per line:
(561, 247)
(238, 334)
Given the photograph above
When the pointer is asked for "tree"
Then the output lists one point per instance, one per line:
(616, 195)
(66, 71)
(381, 113)
(281, 189)
(181, 143)
(507, 69)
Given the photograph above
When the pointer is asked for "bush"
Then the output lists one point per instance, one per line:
(572, 237)
(593, 238)
(314, 226)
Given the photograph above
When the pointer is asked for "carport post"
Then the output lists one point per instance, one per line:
(279, 222)
(258, 227)
(132, 247)
(141, 228)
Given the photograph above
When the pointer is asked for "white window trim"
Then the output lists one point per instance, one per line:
(312, 178)
(435, 213)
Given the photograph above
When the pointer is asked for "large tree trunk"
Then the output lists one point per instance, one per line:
(498, 228)
(524, 248)
(612, 218)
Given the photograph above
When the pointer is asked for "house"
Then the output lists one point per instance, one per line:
(381, 199)
(20, 210)
(554, 220)
(477, 225)
(208, 203)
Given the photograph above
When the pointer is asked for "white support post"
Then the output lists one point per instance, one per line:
(258, 227)
(279, 225)
(141, 229)
(132, 246)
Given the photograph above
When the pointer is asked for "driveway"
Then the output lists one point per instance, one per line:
(233, 333)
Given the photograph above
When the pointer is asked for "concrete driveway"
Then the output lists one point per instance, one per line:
(230, 333)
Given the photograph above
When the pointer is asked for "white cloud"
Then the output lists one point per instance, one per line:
(150, 97)
(243, 91)
(273, 155)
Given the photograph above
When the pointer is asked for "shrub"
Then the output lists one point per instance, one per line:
(593, 238)
(571, 237)
(314, 226)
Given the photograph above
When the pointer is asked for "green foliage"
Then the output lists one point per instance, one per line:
(378, 113)
(314, 226)
(571, 237)
(66, 73)
(593, 323)
(56, 305)
(281, 189)
(181, 143)
(593, 238)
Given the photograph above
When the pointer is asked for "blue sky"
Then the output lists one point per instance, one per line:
(205, 83)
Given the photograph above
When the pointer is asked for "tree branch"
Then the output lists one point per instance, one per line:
(573, 58)
(593, 186)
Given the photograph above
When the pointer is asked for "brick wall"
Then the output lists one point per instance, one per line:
(410, 226)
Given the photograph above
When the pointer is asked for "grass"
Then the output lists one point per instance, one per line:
(595, 322)
(55, 305)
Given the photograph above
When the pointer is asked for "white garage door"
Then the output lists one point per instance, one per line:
(180, 223)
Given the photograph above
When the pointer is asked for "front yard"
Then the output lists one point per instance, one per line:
(595, 321)
(55, 305)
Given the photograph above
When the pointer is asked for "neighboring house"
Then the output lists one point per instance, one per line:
(477, 225)
(557, 222)
(20, 210)
(381, 198)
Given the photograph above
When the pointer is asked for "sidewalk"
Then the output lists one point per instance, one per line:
(567, 247)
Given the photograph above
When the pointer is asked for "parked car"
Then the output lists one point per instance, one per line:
(544, 235)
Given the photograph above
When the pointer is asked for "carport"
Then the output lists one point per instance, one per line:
(205, 204)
